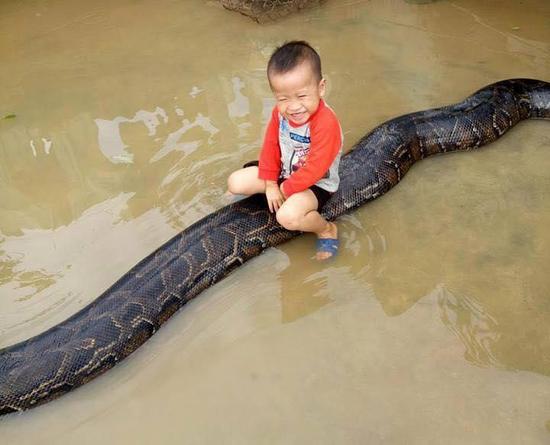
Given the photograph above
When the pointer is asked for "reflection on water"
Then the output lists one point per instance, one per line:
(129, 118)
(110, 141)
(47, 145)
(475, 328)
(240, 107)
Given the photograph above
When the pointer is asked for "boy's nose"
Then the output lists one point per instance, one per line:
(294, 106)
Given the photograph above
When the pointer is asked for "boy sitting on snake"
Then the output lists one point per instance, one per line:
(298, 165)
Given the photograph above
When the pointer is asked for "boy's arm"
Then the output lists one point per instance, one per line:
(270, 156)
(326, 141)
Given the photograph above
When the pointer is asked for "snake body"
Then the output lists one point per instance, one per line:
(109, 329)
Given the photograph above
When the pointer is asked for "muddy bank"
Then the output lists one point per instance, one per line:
(266, 10)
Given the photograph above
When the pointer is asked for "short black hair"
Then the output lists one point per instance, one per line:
(291, 54)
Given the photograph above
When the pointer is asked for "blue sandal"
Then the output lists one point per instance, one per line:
(329, 245)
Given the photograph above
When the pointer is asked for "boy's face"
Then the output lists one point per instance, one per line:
(297, 93)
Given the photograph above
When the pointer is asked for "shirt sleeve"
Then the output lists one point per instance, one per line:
(326, 142)
(270, 156)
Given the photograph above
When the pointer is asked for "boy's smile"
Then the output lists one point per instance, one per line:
(297, 92)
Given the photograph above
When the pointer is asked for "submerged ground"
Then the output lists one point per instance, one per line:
(431, 326)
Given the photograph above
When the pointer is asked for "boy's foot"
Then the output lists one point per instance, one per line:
(327, 243)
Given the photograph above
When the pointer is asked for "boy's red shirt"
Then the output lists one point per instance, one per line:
(326, 142)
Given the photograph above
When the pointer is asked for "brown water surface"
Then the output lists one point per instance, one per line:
(432, 326)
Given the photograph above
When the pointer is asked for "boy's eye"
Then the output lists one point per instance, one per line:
(301, 96)
(282, 99)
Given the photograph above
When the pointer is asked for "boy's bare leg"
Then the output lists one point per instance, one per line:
(299, 212)
(245, 182)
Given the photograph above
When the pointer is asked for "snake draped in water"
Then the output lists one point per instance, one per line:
(113, 326)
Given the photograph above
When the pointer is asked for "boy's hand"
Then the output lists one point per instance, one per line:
(274, 196)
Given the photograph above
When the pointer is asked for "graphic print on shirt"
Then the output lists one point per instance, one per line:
(294, 143)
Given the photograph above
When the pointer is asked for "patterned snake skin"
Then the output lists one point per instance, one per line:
(93, 340)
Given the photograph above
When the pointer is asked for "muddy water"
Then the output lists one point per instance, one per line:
(431, 326)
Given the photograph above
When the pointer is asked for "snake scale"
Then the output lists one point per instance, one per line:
(113, 326)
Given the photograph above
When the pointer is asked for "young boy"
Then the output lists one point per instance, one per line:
(298, 166)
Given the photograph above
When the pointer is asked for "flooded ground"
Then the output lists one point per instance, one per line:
(432, 326)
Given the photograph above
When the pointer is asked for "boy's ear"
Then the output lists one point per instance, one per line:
(322, 87)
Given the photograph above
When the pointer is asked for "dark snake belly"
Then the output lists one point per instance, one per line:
(131, 310)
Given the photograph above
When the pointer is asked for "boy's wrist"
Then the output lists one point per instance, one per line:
(282, 189)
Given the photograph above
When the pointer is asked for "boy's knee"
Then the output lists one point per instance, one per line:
(288, 219)
(233, 183)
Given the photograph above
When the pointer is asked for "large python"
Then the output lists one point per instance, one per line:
(113, 326)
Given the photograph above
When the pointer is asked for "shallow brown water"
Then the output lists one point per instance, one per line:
(431, 326)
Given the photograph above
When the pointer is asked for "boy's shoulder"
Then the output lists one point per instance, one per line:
(326, 109)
